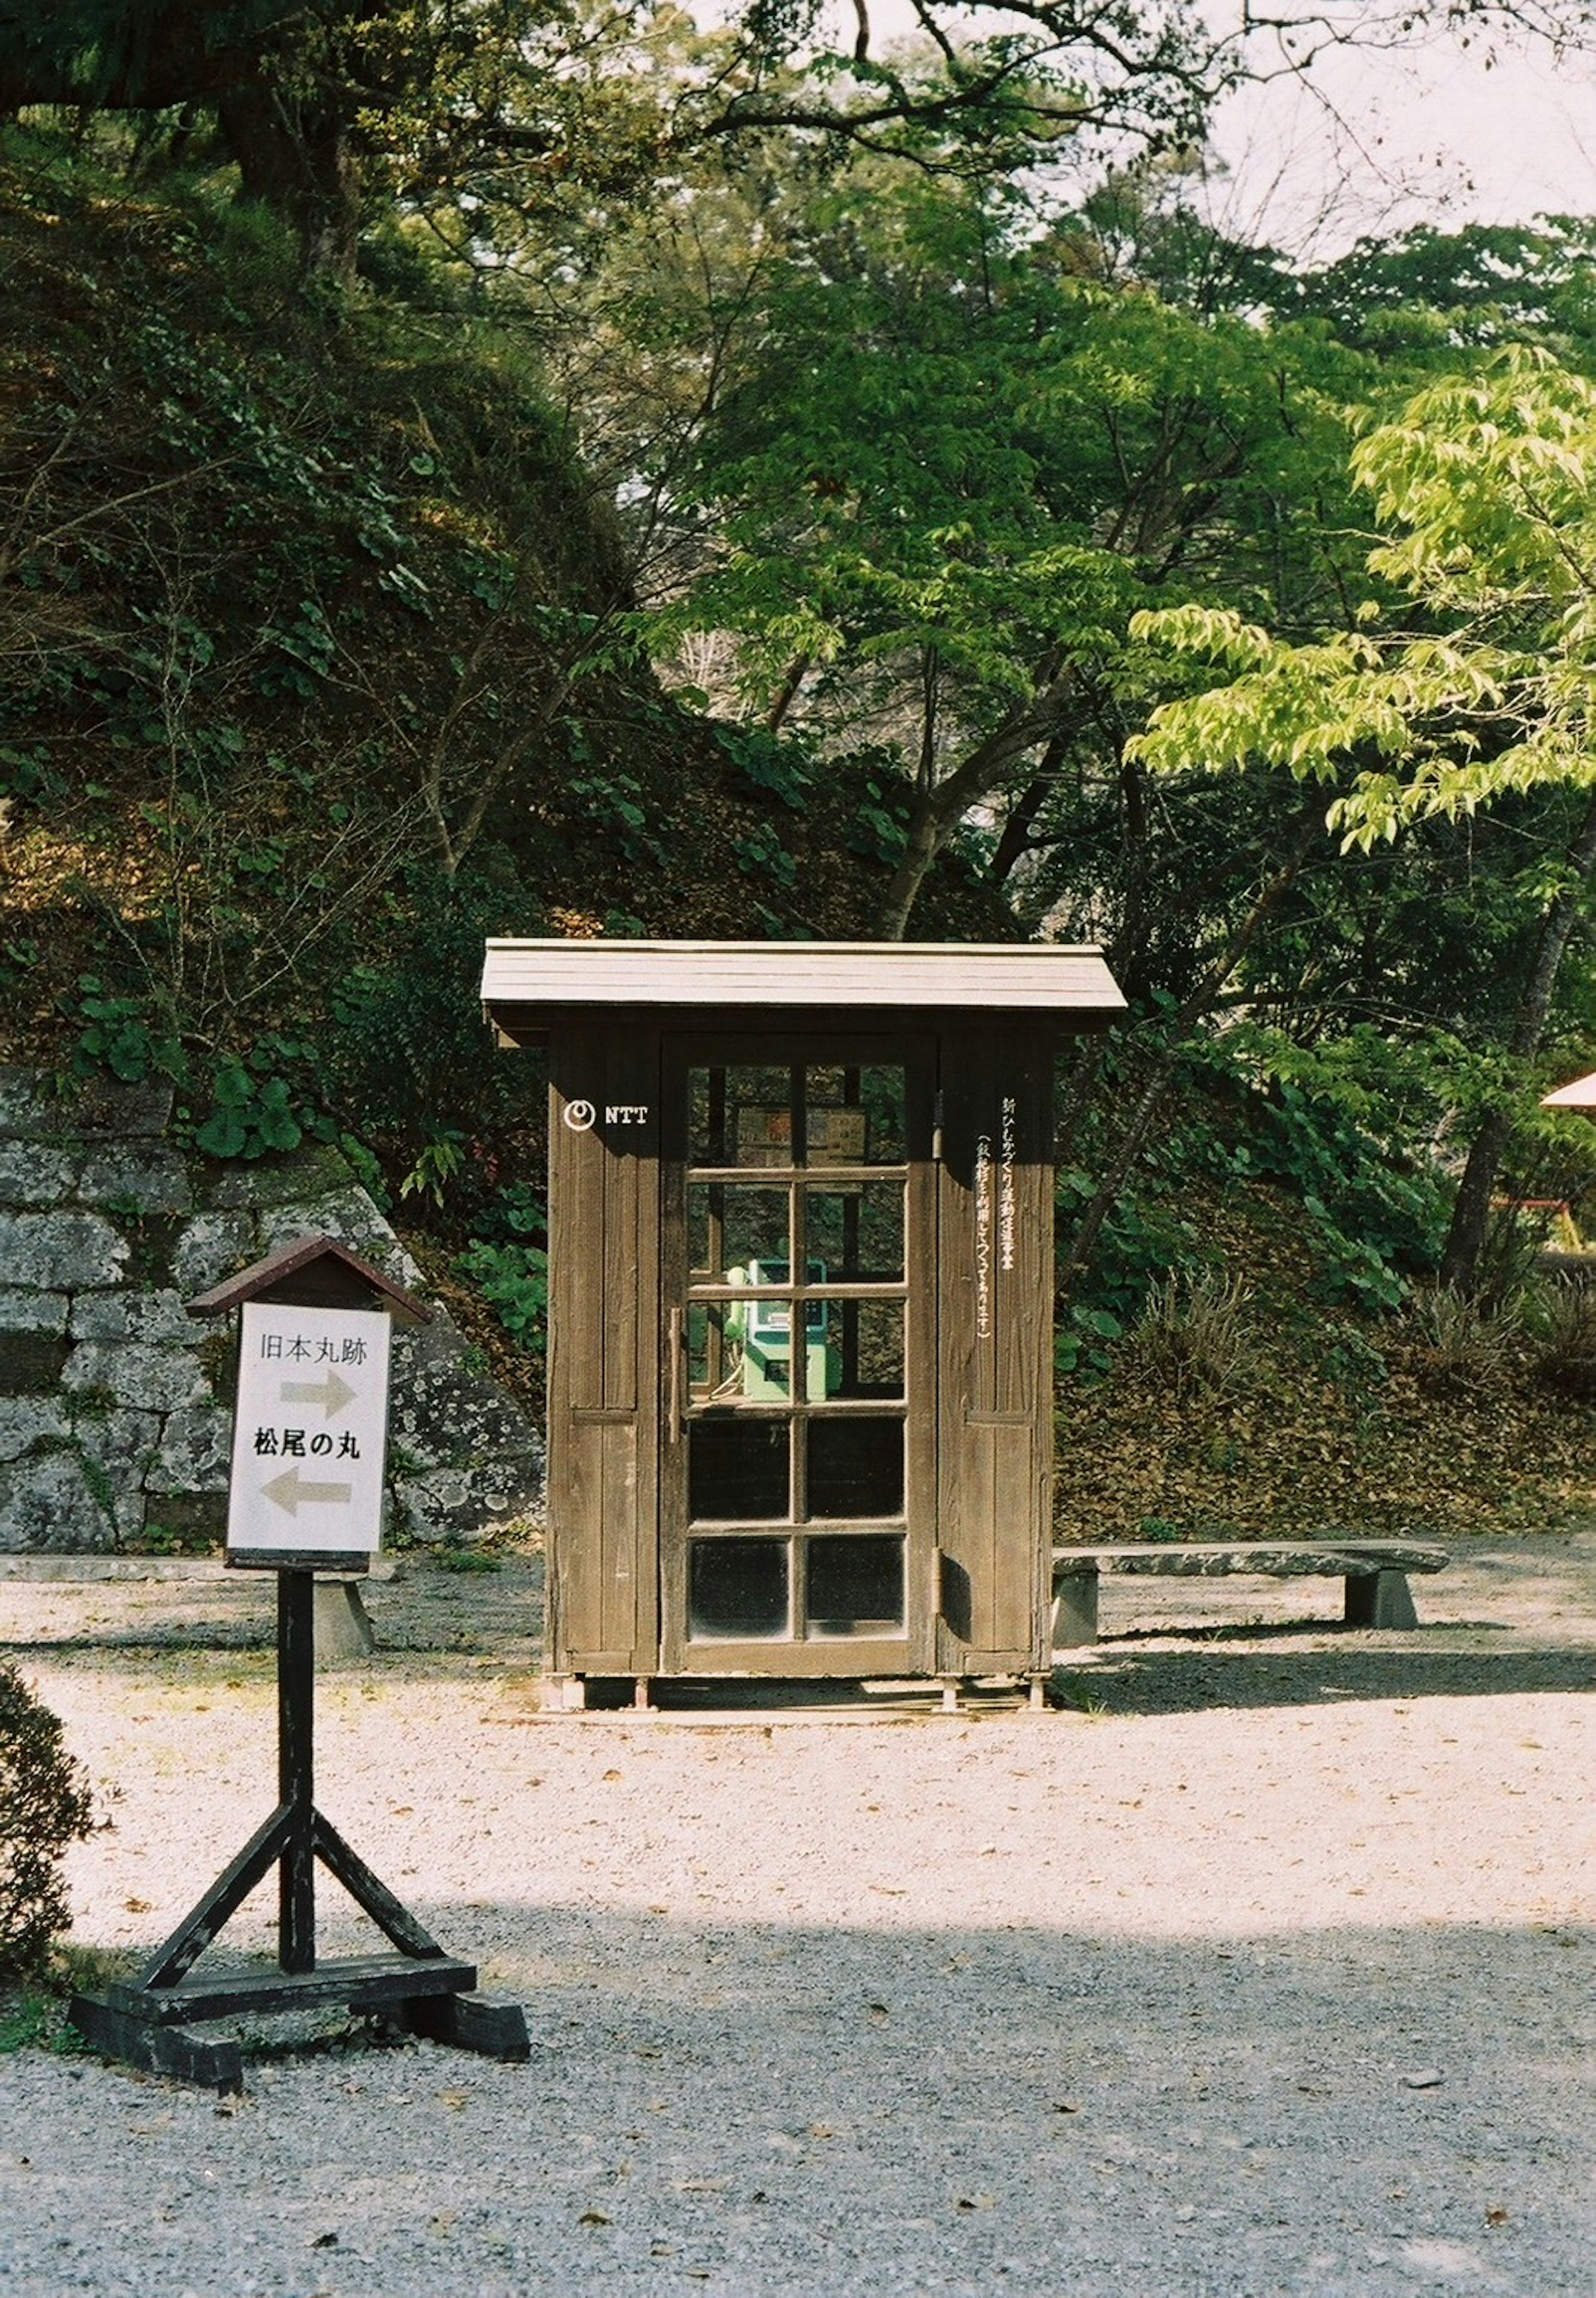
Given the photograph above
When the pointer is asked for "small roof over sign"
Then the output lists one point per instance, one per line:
(312, 1266)
(1581, 1095)
(525, 982)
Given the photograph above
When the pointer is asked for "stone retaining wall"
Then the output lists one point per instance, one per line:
(115, 1420)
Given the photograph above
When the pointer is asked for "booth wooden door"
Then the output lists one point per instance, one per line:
(798, 1475)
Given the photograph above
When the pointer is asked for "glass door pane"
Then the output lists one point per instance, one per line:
(736, 1235)
(738, 1588)
(738, 1471)
(855, 1586)
(788, 1488)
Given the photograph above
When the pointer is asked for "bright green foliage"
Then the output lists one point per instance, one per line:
(508, 1262)
(1486, 484)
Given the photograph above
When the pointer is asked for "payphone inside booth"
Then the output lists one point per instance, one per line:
(800, 1301)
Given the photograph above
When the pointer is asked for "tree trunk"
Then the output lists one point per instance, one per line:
(938, 810)
(787, 693)
(171, 53)
(1471, 1207)
(301, 166)
(1015, 837)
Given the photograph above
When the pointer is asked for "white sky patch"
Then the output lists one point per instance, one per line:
(1378, 144)
(1373, 143)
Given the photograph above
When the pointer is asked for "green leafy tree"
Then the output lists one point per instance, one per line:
(940, 473)
(1487, 487)
(324, 108)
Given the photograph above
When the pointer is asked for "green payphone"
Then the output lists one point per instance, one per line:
(763, 1331)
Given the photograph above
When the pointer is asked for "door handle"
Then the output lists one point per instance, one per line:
(672, 1431)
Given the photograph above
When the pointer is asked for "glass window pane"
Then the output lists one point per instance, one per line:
(738, 1587)
(856, 1586)
(868, 1347)
(731, 1230)
(856, 1467)
(834, 1124)
(857, 1233)
(886, 1126)
(837, 1122)
(737, 1470)
(740, 1116)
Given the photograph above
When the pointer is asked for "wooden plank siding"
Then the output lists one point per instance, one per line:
(603, 1353)
(994, 1349)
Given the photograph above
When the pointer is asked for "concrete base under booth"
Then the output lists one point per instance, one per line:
(795, 1700)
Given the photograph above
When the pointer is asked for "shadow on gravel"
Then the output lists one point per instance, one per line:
(1118, 1682)
(205, 1635)
(797, 2109)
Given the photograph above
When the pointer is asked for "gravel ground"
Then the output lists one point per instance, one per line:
(1264, 1966)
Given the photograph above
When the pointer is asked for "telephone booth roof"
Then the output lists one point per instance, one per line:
(1581, 1096)
(527, 983)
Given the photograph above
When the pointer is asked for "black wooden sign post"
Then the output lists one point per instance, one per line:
(309, 1343)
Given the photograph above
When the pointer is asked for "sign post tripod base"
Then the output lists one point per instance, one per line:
(151, 2021)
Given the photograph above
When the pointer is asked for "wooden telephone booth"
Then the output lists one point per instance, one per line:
(800, 1300)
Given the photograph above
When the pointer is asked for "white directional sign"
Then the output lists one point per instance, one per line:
(310, 1430)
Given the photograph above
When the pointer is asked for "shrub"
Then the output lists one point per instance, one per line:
(1458, 1344)
(1192, 1334)
(45, 1805)
(1564, 1326)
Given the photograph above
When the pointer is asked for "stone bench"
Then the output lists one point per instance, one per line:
(1374, 1573)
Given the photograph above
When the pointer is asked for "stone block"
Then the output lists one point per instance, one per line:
(30, 1110)
(151, 1179)
(116, 1449)
(50, 1502)
(31, 1363)
(27, 1421)
(138, 1374)
(159, 1318)
(196, 1519)
(341, 1627)
(445, 1413)
(122, 1443)
(347, 1214)
(466, 1503)
(60, 1252)
(35, 1173)
(210, 1247)
(194, 1452)
(298, 1178)
(33, 1312)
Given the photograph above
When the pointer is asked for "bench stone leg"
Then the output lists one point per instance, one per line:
(342, 1625)
(1075, 1609)
(1379, 1599)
